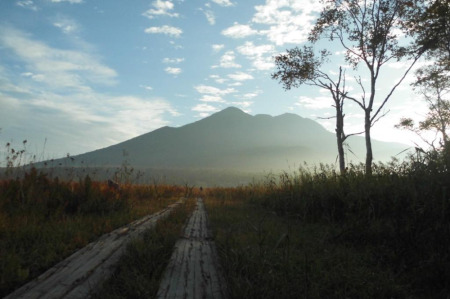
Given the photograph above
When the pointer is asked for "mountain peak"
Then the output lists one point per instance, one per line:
(232, 111)
(230, 114)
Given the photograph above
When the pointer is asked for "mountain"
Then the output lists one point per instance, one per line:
(232, 140)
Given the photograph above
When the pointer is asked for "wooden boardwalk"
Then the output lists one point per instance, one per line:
(193, 271)
(80, 273)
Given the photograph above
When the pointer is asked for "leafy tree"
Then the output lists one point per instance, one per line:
(436, 92)
(369, 31)
(432, 31)
(303, 66)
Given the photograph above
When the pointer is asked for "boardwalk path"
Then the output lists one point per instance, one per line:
(81, 272)
(193, 270)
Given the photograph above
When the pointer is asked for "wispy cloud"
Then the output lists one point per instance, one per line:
(29, 4)
(66, 24)
(204, 109)
(173, 60)
(70, 1)
(211, 90)
(289, 21)
(209, 14)
(217, 47)
(261, 56)
(56, 98)
(86, 121)
(223, 2)
(212, 99)
(146, 87)
(250, 95)
(240, 76)
(161, 8)
(320, 102)
(168, 30)
(239, 31)
(218, 79)
(173, 70)
(244, 105)
(58, 69)
(228, 60)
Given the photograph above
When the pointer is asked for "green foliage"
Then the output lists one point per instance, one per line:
(432, 29)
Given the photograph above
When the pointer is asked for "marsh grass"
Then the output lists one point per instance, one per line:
(44, 220)
(139, 271)
(315, 234)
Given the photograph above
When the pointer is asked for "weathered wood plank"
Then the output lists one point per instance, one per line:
(193, 270)
(81, 272)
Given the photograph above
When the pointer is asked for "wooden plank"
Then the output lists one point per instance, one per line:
(81, 272)
(193, 270)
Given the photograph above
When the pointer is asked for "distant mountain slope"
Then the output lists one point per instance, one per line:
(233, 140)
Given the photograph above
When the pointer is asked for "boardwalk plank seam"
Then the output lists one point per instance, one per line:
(193, 270)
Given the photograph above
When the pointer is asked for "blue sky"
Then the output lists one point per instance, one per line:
(78, 75)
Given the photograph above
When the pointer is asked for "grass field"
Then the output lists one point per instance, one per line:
(309, 234)
(42, 221)
(316, 234)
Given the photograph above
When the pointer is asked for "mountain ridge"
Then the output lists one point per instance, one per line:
(231, 140)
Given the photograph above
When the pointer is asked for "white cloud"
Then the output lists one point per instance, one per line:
(173, 70)
(289, 21)
(161, 8)
(210, 90)
(209, 16)
(250, 95)
(174, 44)
(204, 109)
(314, 103)
(244, 105)
(89, 121)
(261, 56)
(240, 76)
(399, 65)
(168, 30)
(212, 99)
(227, 60)
(58, 69)
(239, 31)
(223, 2)
(67, 25)
(217, 48)
(63, 107)
(70, 1)
(35, 77)
(173, 60)
(29, 4)
(218, 79)
(147, 87)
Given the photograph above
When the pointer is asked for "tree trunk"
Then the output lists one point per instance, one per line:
(369, 155)
(340, 139)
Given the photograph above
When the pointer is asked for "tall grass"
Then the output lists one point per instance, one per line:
(388, 235)
(44, 220)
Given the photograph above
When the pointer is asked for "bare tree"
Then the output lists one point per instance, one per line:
(303, 67)
(368, 32)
